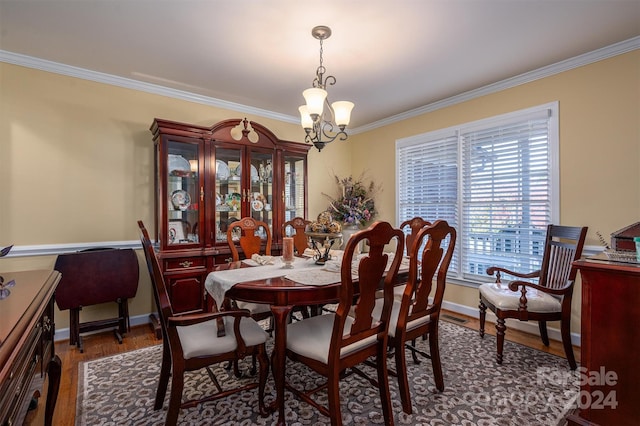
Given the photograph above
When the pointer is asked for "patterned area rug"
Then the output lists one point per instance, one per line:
(530, 388)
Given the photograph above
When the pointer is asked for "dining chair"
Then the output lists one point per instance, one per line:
(296, 228)
(414, 315)
(192, 342)
(410, 228)
(241, 234)
(331, 343)
(547, 299)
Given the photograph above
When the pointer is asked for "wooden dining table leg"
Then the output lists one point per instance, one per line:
(278, 357)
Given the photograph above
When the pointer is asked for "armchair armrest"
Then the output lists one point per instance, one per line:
(496, 269)
(522, 306)
(513, 286)
(191, 319)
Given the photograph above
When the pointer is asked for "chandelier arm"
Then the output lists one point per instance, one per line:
(329, 80)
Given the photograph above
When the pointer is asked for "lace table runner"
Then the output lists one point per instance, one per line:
(219, 282)
(304, 271)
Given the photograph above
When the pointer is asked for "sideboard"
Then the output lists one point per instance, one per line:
(610, 344)
(27, 351)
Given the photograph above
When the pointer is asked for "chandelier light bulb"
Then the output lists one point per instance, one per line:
(342, 112)
(305, 118)
(315, 100)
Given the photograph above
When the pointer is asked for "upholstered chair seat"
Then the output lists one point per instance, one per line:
(395, 311)
(202, 339)
(311, 337)
(500, 296)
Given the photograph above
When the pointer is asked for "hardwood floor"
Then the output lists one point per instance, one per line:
(104, 344)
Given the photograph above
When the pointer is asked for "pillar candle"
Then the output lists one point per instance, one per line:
(287, 249)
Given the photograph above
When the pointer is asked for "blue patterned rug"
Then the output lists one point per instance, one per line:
(529, 388)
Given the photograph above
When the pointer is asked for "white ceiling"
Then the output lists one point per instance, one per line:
(388, 57)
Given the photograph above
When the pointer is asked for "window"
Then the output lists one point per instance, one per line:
(494, 180)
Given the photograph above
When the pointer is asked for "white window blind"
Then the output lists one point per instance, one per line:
(493, 180)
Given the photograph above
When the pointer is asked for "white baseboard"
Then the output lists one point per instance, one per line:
(526, 326)
(63, 333)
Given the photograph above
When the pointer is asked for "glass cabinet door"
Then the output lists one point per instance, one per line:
(294, 181)
(228, 190)
(183, 193)
(260, 188)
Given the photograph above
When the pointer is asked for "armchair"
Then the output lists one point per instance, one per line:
(549, 299)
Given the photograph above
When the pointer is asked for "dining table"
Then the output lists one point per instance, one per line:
(303, 283)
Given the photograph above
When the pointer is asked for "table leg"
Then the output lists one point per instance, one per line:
(279, 356)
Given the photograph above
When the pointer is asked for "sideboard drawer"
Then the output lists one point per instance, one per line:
(13, 391)
(183, 263)
(27, 352)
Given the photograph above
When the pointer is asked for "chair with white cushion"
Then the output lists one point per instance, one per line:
(331, 343)
(548, 299)
(414, 315)
(195, 341)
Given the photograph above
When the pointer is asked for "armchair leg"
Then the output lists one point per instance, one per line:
(165, 373)
(565, 330)
(264, 371)
(483, 317)
(334, 399)
(500, 329)
(177, 387)
(435, 358)
(403, 381)
(383, 380)
(542, 325)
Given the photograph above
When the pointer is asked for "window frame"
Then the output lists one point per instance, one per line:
(456, 273)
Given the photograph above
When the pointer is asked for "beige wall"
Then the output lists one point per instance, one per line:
(599, 109)
(76, 157)
(76, 165)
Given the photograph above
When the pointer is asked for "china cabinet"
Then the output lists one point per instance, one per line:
(209, 177)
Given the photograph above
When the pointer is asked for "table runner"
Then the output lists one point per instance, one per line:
(304, 271)
(219, 282)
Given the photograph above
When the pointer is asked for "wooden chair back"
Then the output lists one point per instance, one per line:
(249, 242)
(371, 269)
(300, 240)
(426, 267)
(563, 245)
(160, 293)
(413, 226)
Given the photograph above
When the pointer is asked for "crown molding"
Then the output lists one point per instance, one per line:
(127, 83)
(568, 64)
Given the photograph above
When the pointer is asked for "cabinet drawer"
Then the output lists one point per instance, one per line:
(183, 263)
(13, 391)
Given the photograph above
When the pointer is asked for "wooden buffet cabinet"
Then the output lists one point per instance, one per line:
(610, 343)
(202, 185)
(27, 352)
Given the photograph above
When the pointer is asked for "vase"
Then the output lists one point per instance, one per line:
(348, 229)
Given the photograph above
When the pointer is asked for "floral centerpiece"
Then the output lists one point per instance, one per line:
(354, 205)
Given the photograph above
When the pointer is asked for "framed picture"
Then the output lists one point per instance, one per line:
(177, 231)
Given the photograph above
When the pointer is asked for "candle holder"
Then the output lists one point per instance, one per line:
(287, 263)
(287, 252)
(321, 243)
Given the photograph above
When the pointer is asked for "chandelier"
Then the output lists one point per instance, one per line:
(323, 125)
